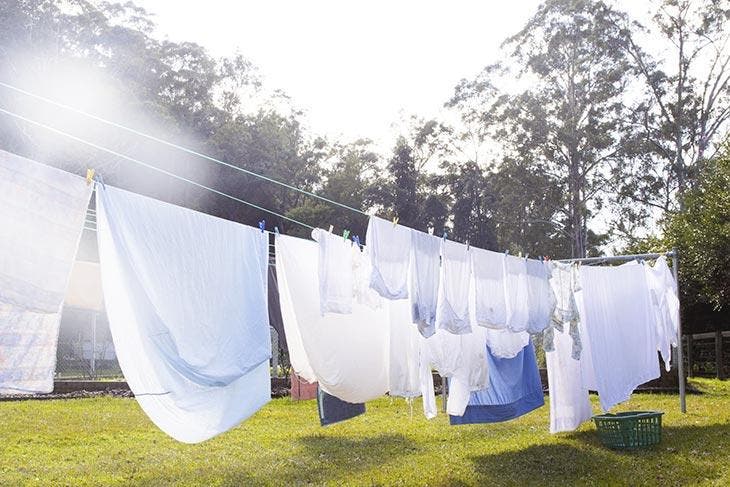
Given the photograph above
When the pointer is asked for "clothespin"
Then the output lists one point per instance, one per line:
(276, 230)
(506, 252)
(345, 234)
(430, 230)
(445, 234)
(540, 257)
(332, 227)
(467, 245)
(356, 239)
(526, 256)
(262, 225)
(90, 176)
(100, 180)
(395, 220)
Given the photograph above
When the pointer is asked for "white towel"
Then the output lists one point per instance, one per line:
(488, 269)
(541, 299)
(516, 294)
(390, 248)
(335, 264)
(186, 295)
(424, 281)
(42, 212)
(452, 312)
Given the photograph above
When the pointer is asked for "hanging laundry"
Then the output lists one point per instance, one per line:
(514, 390)
(348, 355)
(460, 358)
(42, 212)
(569, 403)
(516, 294)
(488, 269)
(617, 322)
(186, 296)
(452, 311)
(564, 283)
(506, 343)
(361, 270)
(334, 410)
(424, 280)
(541, 300)
(405, 351)
(665, 307)
(335, 272)
(390, 247)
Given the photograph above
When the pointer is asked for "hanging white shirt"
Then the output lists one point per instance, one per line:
(186, 296)
(335, 264)
(616, 315)
(516, 294)
(42, 212)
(452, 311)
(390, 247)
(424, 281)
(488, 269)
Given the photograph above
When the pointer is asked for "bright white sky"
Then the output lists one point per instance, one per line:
(355, 68)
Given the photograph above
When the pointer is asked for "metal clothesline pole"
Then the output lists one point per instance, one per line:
(675, 271)
(680, 351)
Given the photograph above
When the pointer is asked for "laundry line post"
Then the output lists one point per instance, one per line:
(93, 345)
(680, 352)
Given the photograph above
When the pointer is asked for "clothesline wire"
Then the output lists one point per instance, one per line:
(149, 166)
(179, 147)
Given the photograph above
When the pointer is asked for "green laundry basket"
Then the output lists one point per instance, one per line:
(630, 430)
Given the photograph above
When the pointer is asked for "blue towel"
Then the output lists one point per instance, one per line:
(514, 389)
(333, 410)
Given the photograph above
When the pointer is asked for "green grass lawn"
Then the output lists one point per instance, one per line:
(110, 441)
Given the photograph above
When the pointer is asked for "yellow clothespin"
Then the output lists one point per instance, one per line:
(90, 176)
(395, 220)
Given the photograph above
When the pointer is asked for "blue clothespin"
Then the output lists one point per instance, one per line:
(345, 234)
(356, 239)
(262, 225)
(445, 234)
(100, 180)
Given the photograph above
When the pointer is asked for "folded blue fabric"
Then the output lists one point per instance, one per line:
(514, 390)
(333, 410)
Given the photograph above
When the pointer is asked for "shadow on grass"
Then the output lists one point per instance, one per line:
(686, 454)
(326, 458)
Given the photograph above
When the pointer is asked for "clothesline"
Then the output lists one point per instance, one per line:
(179, 147)
(149, 166)
(154, 254)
